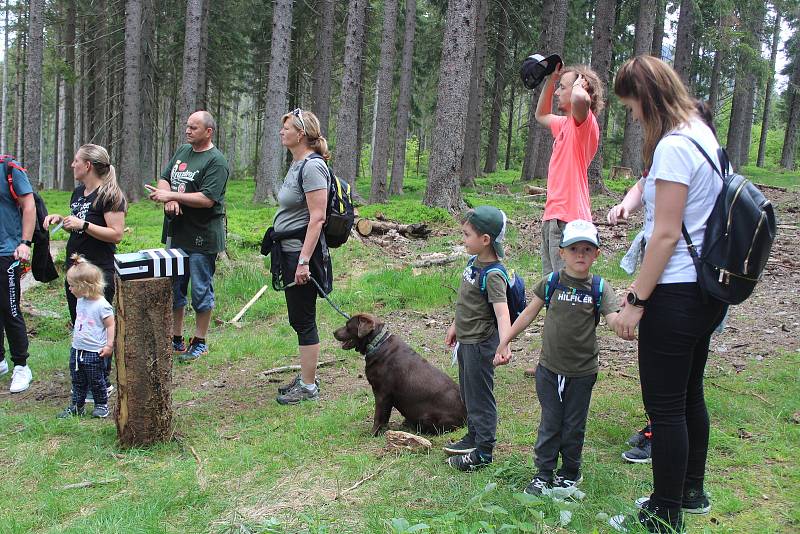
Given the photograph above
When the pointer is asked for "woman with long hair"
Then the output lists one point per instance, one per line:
(302, 201)
(96, 219)
(674, 319)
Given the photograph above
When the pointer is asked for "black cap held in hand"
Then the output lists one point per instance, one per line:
(536, 67)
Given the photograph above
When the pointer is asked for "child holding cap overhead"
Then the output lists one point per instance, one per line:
(479, 316)
(568, 364)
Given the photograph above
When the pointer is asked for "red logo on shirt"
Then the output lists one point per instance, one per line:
(182, 167)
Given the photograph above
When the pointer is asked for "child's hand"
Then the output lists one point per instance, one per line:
(450, 337)
(503, 355)
(107, 351)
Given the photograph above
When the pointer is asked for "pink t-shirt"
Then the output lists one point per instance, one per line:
(567, 180)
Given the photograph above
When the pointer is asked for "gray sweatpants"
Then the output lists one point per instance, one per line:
(476, 380)
(565, 407)
(552, 230)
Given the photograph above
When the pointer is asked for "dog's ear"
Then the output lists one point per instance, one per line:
(365, 326)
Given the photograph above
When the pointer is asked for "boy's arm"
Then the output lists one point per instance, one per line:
(503, 327)
(108, 322)
(611, 319)
(450, 336)
(525, 318)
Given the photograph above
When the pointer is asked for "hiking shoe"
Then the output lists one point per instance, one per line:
(298, 394)
(3, 367)
(284, 389)
(21, 379)
(463, 446)
(538, 485)
(651, 518)
(644, 434)
(469, 462)
(71, 411)
(178, 347)
(640, 454)
(110, 390)
(695, 502)
(100, 410)
(195, 349)
(563, 482)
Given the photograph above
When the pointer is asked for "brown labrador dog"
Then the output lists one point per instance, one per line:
(400, 378)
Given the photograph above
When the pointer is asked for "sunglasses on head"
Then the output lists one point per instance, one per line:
(299, 114)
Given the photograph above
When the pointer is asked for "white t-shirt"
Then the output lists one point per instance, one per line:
(90, 332)
(676, 159)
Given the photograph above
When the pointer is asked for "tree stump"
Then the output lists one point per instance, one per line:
(144, 361)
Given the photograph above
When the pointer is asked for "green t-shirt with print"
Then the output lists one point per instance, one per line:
(475, 320)
(569, 340)
(198, 229)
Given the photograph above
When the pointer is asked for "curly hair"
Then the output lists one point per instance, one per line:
(85, 278)
(595, 90)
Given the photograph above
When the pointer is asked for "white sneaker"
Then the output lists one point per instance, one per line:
(3, 367)
(21, 379)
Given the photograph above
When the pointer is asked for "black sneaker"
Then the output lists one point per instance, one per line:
(538, 485)
(640, 454)
(285, 388)
(695, 502)
(564, 482)
(463, 446)
(71, 411)
(469, 462)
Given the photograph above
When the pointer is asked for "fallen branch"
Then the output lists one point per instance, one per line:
(364, 479)
(250, 303)
(729, 390)
(438, 260)
(367, 227)
(284, 368)
(201, 480)
(89, 484)
(765, 186)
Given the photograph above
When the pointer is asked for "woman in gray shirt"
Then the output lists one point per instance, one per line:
(302, 200)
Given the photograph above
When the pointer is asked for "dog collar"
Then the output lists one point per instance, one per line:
(377, 341)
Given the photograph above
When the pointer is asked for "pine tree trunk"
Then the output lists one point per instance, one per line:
(753, 82)
(68, 125)
(793, 118)
(33, 88)
(556, 33)
(130, 168)
(345, 162)
(642, 44)
(602, 49)
(379, 192)
(447, 149)
(191, 58)
(404, 100)
(776, 39)
(535, 132)
(147, 130)
(143, 412)
(684, 41)
(658, 30)
(202, 58)
(472, 136)
(713, 88)
(323, 63)
(499, 87)
(362, 88)
(270, 164)
(4, 105)
(510, 129)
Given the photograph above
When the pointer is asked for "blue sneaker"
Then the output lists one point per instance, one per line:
(195, 349)
(178, 347)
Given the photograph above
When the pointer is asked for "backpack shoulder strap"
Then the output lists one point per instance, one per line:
(549, 287)
(308, 158)
(9, 164)
(598, 284)
(495, 267)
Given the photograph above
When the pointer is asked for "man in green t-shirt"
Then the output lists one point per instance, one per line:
(192, 189)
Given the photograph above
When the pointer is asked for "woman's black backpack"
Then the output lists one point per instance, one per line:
(340, 213)
(738, 237)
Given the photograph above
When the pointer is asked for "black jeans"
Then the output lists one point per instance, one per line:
(301, 302)
(674, 336)
(476, 381)
(11, 321)
(108, 293)
(563, 424)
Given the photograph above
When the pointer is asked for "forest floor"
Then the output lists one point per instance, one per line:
(242, 463)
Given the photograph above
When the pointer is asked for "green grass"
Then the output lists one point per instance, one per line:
(269, 468)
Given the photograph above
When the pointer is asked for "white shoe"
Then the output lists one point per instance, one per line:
(3, 367)
(21, 379)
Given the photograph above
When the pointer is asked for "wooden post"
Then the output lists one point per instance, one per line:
(144, 361)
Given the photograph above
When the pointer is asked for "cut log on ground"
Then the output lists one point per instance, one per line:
(367, 227)
(620, 172)
(438, 259)
(775, 187)
(144, 361)
(532, 190)
(405, 440)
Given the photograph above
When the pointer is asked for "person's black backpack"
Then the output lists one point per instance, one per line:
(42, 265)
(340, 214)
(738, 237)
(515, 287)
(553, 283)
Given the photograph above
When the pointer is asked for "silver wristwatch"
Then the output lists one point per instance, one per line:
(302, 261)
